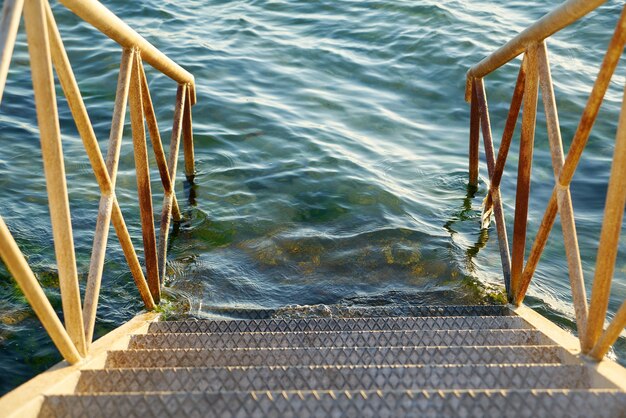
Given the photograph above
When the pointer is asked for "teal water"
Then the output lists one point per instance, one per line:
(331, 144)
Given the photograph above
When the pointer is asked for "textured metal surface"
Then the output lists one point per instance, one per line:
(245, 379)
(513, 403)
(316, 339)
(333, 356)
(342, 362)
(361, 312)
(341, 324)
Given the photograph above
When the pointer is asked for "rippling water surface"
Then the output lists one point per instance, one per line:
(331, 145)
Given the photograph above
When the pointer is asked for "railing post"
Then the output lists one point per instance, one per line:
(143, 181)
(564, 199)
(507, 137)
(609, 237)
(168, 199)
(157, 144)
(188, 148)
(524, 168)
(503, 241)
(107, 201)
(47, 116)
(115, 142)
(474, 137)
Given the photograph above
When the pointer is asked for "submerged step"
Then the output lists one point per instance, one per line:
(316, 339)
(334, 356)
(361, 311)
(334, 378)
(527, 403)
(340, 324)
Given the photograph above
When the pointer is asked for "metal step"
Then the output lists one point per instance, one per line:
(334, 356)
(279, 378)
(360, 311)
(341, 324)
(377, 403)
(316, 339)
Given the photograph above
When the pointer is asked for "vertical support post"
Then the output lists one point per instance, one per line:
(190, 167)
(474, 138)
(564, 199)
(524, 168)
(115, 142)
(143, 181)
(157, 145)
(503, 242)
(11, 13)
(19, 269)
(47, 116)
(507, 135)
(168, 199)
(92, 291)
(609, 237)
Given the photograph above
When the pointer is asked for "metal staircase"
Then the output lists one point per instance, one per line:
(393, 361)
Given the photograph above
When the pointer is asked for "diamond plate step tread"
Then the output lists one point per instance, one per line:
(334, 356)
(244, 379)
(340, 324)
(361, 311)
(510, 403)
(317, 339)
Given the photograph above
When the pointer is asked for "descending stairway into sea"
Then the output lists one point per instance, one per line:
(359, 362)
(391, 361)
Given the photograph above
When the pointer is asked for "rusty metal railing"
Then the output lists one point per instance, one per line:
(535, 73)
(46, 52)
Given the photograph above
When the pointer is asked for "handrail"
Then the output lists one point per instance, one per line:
(46, 52)
(534, 74)
(559, 18)
(93, 12)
